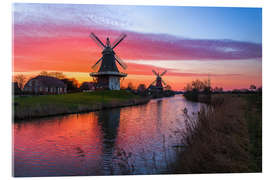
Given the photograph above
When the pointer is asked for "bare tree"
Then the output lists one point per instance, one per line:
(188, 87)
(20, 79)
(218, 89)
(58, 75)
(252, 87)
(198, 86)
(168, 88)
(44, 73)
(130, 86)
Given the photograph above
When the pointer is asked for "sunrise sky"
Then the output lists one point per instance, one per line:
(190, 42)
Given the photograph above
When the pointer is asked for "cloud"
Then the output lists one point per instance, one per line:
(77, 21)
(146, 69)
(162, 46)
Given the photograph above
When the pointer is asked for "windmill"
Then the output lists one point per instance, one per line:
(108, 75)
(159, 82)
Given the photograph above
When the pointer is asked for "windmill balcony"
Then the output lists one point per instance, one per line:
(109, 73)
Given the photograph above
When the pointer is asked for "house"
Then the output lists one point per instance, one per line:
(88, 86)
(45, 85)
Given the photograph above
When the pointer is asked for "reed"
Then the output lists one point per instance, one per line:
(218, 140)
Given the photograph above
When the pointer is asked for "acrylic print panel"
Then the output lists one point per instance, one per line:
(116, 90)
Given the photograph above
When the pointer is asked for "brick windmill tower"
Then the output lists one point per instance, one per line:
(108, 75)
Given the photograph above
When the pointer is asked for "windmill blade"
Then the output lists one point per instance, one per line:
(97, 40)
(155, 72)
(164, 82)
(122, 64)
(116, 42)
(153, 82)
(94, 66)
(163, 73)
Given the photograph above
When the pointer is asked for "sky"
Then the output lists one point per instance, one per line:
(224, 44)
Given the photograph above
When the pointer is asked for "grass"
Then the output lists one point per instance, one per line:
(224, 138)
(254, 119)
(26, 107)
(81, 98)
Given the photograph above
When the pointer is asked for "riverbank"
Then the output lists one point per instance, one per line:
(198, 97)
(225, 138)
(28, 107)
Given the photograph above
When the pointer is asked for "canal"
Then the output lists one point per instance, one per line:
(138, 140)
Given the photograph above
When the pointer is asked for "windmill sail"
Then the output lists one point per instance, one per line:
(121, 38)
(97, 40)
(95, 65)
(122, 64)
(155, 72)
(163, 73)
(164, 83)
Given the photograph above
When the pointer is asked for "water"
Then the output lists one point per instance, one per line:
(88, 144)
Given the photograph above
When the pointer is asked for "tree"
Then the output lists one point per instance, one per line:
(72, 84)
(218, 89)
(44, 73)
(141, 87)
(252, 87)
(193, 89)
(130, 86)
(168, 88)
(58, 75)
(188, 87)
(20, 80)
(198, 86)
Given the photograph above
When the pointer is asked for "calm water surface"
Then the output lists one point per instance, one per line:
(88, 144)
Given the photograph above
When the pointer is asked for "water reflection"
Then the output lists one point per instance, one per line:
(159, 115)
(109, 122)
(85, 144)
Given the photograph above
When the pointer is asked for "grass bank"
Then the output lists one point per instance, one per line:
(225, 137)
(27, 107)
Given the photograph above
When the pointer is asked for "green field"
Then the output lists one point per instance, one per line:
(38, 106)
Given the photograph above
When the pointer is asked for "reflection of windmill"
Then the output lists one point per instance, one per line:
(159, 80)
(109, 120)
(108, 75)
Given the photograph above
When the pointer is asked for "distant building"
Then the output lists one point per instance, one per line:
(45, 85)
(88, 86)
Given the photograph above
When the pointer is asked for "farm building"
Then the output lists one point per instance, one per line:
(88, 86)
(45, 85)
